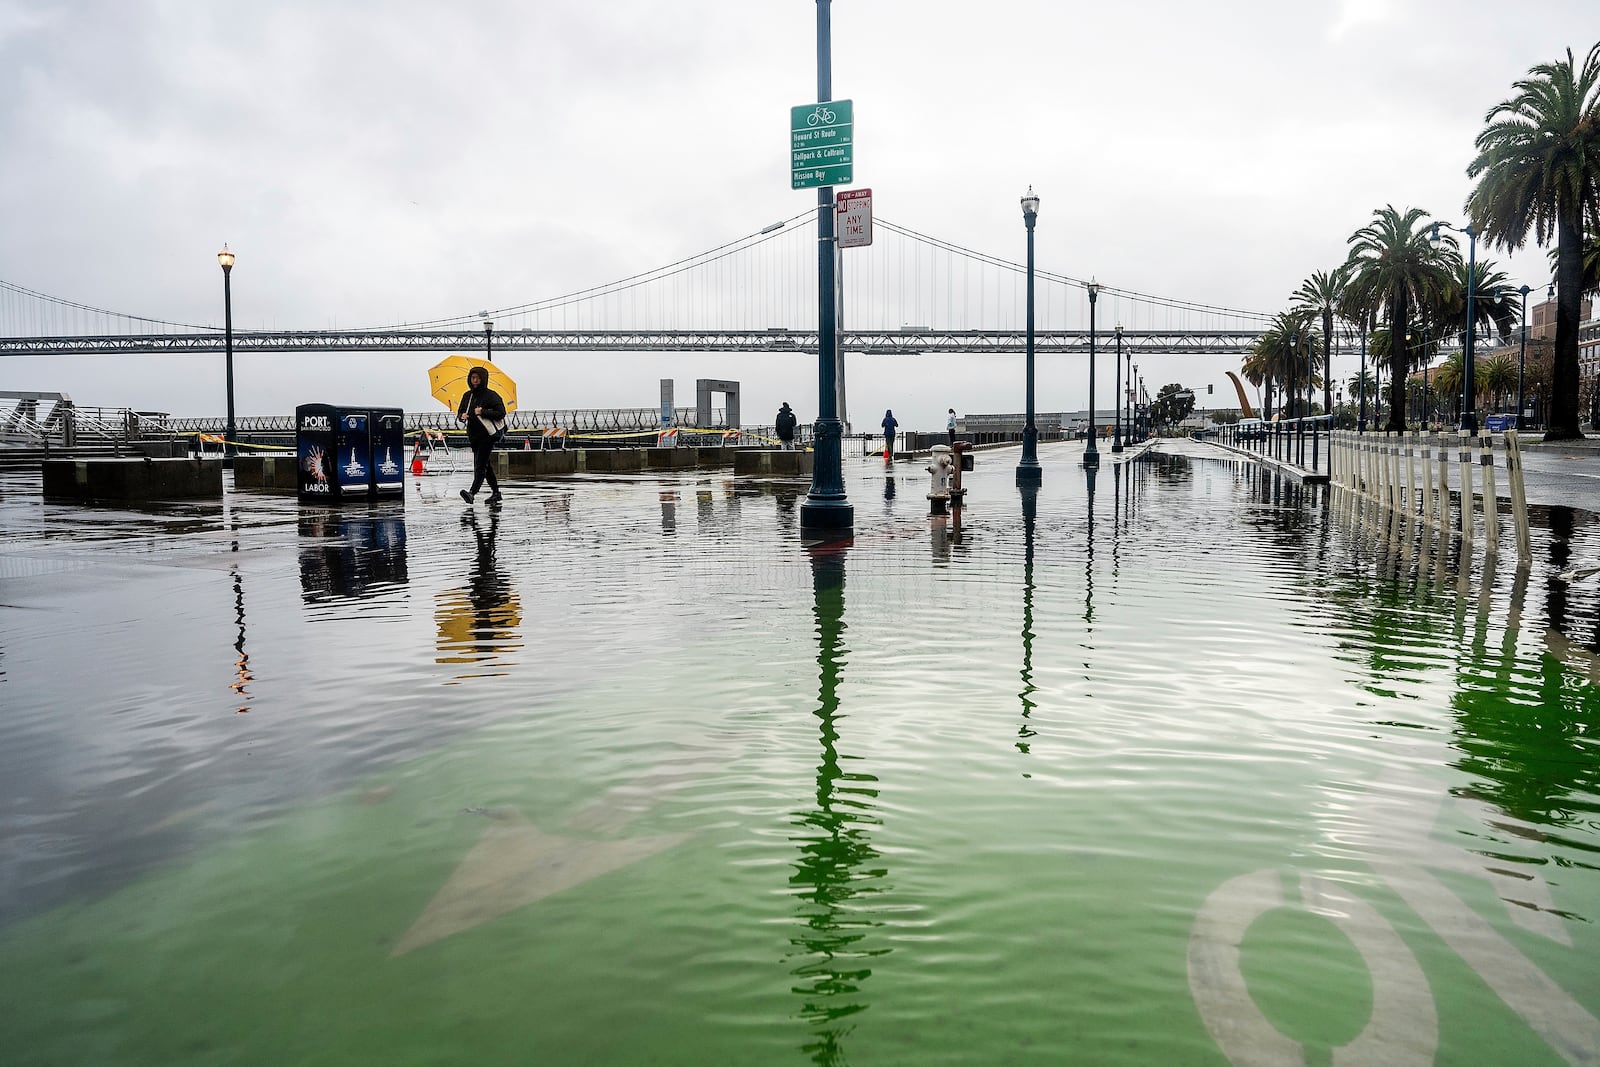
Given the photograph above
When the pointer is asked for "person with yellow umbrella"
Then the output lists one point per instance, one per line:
(484, 413)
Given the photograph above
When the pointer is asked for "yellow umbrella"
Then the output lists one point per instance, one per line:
(448, 380)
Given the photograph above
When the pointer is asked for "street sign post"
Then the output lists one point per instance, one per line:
(854, 224)
(821, 144)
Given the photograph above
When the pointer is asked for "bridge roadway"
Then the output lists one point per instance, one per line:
(773, 341)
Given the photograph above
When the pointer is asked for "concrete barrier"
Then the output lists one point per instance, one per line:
(657, 459)
(772, 463)
(132, 479)
(712, 456)
(610, 459)
(273, 473)
(534, 464)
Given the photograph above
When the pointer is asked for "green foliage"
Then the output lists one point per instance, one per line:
(1538, 171)
(1173, 404)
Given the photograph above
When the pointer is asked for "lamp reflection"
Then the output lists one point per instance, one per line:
(669, 512)
(1030, 512)
(1088, 550)
(242, 677)
(479, 623)
(838, 865)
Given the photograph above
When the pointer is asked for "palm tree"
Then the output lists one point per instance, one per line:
(1538, 168)
(1394, 269)
(1495, 301)
(1498, 374)
(1272, 357)
(1448, 378)
(1322, 296)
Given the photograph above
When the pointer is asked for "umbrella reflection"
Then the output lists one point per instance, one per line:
(838, 865)
(478, 623)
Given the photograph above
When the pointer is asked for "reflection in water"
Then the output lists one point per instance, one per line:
(241, 666)
(669, 512)
(837, 863)
(479, 623)
(888, 489)
(787, 498)
(939, 527)
(353, 554)
(1030, 512)
(1088, 552)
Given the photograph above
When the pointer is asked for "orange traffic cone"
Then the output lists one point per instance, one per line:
(417, 466)
(527, 445)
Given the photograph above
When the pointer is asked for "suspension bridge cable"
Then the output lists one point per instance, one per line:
(64, 302)
(750, 240)
(1147, 298)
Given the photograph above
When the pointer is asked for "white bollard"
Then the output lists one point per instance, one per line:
(1491, 499)
(1519, 498)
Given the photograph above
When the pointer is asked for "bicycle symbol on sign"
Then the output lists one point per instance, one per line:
(822, 116)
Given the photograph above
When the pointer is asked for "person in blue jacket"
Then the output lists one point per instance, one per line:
(890, 423)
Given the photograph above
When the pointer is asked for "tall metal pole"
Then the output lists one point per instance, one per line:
(1028, 469)
(1361, 420)
(225, 257)
(1116, 434)
(1469, 416)
(826, 507)
(488, 340)
(1091, 454)
(1522, 356)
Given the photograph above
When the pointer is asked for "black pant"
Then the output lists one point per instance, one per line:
(483, 467)
(952, 434)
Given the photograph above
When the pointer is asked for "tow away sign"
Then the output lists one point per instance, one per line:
(853, 221)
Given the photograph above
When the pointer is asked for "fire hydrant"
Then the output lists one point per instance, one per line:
(942, 467)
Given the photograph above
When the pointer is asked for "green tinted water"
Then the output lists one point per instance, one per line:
(628, 775)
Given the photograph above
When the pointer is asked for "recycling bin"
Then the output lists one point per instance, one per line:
(388, 452)
(334, 450)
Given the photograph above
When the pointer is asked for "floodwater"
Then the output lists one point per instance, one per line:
(1185, 771)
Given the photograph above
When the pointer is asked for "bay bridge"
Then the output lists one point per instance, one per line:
(907, 294)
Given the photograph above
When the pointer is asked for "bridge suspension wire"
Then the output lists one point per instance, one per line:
(20, 297)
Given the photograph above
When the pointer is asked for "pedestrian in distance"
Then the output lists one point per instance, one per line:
(890, 423)
(784, 424)
(950, 427)
(484, 414)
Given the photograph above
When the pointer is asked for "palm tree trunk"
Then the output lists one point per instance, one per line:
(1399, 360)
(1564, 400)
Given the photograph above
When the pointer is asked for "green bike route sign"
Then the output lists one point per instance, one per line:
(821, 148)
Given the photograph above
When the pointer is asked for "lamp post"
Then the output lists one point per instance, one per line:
(1116, 434)
(1522, 355)
(225, 257)
(1028, 470)
(1361, 417)
(827, 508)
(1469, 400)
(488, 340)
(1091, 454)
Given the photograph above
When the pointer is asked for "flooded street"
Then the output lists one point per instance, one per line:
(1177, 771)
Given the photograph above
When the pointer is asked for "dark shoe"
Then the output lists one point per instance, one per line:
(494, 499)
(466, 495)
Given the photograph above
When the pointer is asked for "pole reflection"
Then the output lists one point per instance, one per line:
(838, 865)
(1030, 513)
(1088, 551)
(242, 677)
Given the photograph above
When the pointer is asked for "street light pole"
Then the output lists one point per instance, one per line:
(1091, 454)
(1522, 355)
(225, 257)
(1116, 434)
(488, 340)
(1028, 470)
(826, 507)
(1469, 402)
(1361, 418)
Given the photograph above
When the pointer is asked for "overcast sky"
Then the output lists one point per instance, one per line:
(396, 161)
